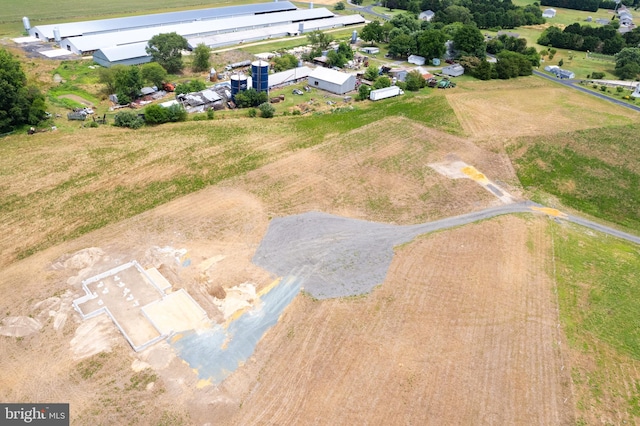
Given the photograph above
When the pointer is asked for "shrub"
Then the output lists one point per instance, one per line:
(252, 112)
(128, 119)
(156, 114)
(210, 114)
(597, 75)
(603, 88)
(199, 117)
(296, 112)
(92, 124)
(619, 89)
(267, 110)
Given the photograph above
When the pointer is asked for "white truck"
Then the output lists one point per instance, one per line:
(386, 92)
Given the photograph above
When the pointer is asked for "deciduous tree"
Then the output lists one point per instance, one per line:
(19, 104)
(166, 49)
(201, 58)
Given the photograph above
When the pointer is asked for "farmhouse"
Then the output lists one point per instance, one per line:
(332, 81)
(453, 70)
(74, 29)
(549, 13)
(562, 74)
(128, 54)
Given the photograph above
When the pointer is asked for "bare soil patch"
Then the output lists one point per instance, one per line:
(474, 339)
(435, 344)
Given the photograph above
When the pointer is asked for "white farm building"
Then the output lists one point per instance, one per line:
(332, 81)
(121, 40)
(74, 29)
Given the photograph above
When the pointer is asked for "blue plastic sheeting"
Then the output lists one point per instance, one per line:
(217, 352)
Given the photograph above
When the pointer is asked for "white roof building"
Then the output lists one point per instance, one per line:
(427, 15)
(72, 29)
(549, 13)
(416, 60)
(90, 43)
(128, 54)
(453, 70)
(332, 81)
(288, 76)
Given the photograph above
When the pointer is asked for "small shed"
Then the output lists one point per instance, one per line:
(416, 60)
(549, 13)
(332, 81)
(371, 50)
(427, 15)
(453, 70)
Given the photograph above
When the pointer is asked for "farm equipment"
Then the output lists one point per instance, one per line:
(168, 87)
(432, 82)
(446, 84)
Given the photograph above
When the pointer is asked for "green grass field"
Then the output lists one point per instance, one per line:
(599, 300)
(592, 171)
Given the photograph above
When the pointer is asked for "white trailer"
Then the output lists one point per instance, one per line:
(386, 92)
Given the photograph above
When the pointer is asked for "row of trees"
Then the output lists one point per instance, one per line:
(603, 39)
(588, 5)
(490, 14)
(20, 103)
(485, 14)
(406, 36)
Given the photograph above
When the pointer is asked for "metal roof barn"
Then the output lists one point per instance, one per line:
(332, 81)
(90, 43)
(273, 31)
(72, 29)
(129, 54)
(288, 76)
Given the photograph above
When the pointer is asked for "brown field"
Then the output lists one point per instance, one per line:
(464, 330)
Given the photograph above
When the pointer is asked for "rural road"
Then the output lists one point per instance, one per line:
(574, 85)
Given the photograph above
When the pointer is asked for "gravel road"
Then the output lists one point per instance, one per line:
(347, 257)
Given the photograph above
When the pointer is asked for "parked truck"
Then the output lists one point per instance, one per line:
(386, 92)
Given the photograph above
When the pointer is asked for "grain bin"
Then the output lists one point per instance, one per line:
(26, 23)
(238, 84)
(56, 34)
(260, 75)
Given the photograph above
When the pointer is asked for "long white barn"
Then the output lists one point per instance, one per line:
(91, 43)
(74, 29)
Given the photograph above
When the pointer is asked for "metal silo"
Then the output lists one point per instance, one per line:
(238, 84)
(26, 23)
(56, 34)
(260, 75)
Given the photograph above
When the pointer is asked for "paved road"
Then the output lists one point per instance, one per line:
(574, 85)
(367, 9)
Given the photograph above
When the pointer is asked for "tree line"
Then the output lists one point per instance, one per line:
(603, 39)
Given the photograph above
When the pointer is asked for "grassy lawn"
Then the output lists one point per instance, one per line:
(599, 301)
(61, 184)
(593, 171)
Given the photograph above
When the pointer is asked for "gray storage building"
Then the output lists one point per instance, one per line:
(332, 81)
(129, 54)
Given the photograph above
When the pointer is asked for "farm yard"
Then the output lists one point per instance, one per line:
(522, 318)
